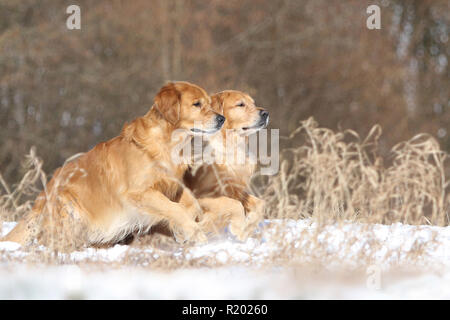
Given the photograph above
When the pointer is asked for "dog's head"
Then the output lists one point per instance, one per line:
(240, 111)
(187, 106)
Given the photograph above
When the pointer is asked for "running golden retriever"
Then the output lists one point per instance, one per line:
(130, 182)
(222, 188)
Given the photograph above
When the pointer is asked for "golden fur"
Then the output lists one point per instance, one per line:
(130, 182)
(223, 188)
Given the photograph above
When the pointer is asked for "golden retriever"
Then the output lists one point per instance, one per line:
(223, 188)
(129, 183)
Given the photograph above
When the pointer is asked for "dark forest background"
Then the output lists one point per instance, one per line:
(64, 91)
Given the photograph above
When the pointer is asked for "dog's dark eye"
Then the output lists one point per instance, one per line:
(241, 104)
(197, 104)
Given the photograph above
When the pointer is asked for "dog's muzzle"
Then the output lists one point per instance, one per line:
(264, 118)
(262, 123)
(219, 121)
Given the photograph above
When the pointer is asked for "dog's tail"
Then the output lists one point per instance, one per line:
(23, 232)
(19, 234)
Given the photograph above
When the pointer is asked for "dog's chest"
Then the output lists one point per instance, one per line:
(122, 223)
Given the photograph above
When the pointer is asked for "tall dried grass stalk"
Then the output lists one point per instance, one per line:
(17, 200)
(57, 230)
(338, 176)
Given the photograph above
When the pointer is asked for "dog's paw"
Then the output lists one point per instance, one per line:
(199, 237)
(238, 230)
(196, 212)
(194, 233)
(179, 237)
(253, 218)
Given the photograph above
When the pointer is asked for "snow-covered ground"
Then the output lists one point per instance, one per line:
(70, 282)
(277, 263)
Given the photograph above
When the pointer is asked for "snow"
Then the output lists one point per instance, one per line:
(70, 282)
(244, 271)
(6, 228)
(9, 246)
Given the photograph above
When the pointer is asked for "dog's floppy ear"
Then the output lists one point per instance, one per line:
(217, 103)
(168, 101)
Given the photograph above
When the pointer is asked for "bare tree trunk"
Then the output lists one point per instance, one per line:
(403, 51)
(278, 57)
(165, 43)
(176, 52)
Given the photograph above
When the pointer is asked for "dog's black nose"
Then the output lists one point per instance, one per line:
(264, 114)
(220, 119)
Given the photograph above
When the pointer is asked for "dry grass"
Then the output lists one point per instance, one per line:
(17, 200)
(338, 176)
(330, 177)
(62, 234)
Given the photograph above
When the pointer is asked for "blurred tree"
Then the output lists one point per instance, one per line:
(64, 91)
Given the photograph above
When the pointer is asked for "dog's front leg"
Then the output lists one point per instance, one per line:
(221, 211)
(188, 200)
(254, 208)
(153, 202)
